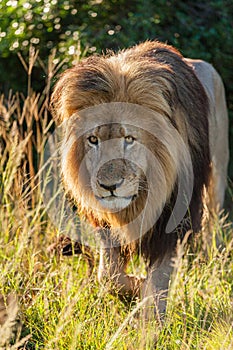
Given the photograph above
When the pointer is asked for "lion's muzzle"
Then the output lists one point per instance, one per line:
(116, 184)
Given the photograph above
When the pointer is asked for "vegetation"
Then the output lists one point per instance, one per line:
(48, 301)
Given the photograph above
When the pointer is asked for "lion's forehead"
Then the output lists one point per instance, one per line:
(114, 130)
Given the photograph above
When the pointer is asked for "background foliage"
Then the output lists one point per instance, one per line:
(200, 29)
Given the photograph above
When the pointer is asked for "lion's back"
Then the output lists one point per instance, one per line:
(218, 125)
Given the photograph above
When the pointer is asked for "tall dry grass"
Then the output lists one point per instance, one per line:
(24, 127)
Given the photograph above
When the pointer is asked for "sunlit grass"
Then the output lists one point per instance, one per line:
(61, 307)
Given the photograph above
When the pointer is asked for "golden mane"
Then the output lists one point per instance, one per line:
(153, 75)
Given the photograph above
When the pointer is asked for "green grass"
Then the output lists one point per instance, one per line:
(60, 305)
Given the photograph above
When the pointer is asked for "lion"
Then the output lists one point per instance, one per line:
(145, 148)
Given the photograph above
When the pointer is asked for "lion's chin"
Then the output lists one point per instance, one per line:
(115, 204)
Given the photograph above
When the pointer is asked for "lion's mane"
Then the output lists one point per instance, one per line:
(155, 76)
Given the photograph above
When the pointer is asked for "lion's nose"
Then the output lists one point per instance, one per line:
(111, 187)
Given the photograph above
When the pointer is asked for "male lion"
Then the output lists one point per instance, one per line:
(145, 138)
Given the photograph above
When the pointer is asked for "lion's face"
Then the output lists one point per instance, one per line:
(113, 158)
(114, 166)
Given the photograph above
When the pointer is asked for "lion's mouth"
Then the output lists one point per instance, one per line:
(115, 203)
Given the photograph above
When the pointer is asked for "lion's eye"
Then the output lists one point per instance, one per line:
(129, 139)
(93, 140)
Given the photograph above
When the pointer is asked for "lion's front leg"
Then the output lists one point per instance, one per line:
(156, 285)
(114, 265)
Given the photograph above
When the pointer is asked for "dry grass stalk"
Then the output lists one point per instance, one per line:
(8, 319)
(24, 126)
